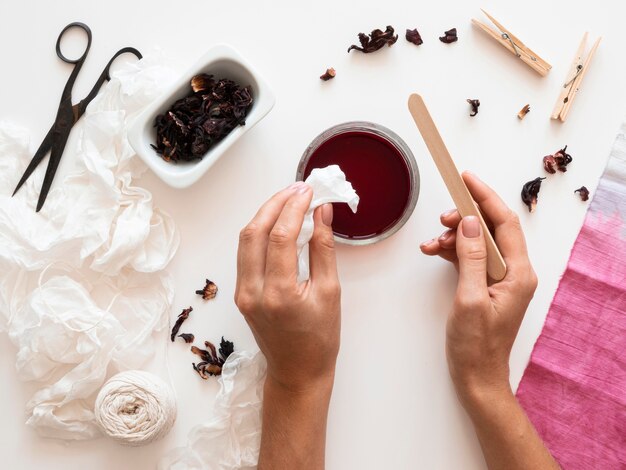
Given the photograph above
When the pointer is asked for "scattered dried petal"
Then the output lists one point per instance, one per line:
(412, 35)
(211, 347)
(227, 347)
(523, 112)
(558, 161)
(549, 164)
(179, 321)
(209, 291)
(187, 337)
(530, 193)
(563, 159)
(212, 364)
(474, 104)
(197, 122)
(200, 369)
(204, 355)
(449, 36)
(375, 40)
(330, 73)
(583, 192)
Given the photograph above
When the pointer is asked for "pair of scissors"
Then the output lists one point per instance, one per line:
(67, 115)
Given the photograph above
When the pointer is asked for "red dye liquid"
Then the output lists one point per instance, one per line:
(378, 173)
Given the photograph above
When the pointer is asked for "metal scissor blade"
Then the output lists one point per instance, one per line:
(55, 158)
(43, 149)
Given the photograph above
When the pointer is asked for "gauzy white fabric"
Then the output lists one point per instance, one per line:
(135, 407)
(82, 289)
(232, 438)
(329, 185)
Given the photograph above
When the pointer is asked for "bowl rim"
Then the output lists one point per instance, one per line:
(264, 101)
(403, 150)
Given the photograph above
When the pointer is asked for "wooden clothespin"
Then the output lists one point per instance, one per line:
(514, 45)
(574, 78)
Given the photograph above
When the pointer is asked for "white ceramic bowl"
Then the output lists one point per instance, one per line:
(223, 62)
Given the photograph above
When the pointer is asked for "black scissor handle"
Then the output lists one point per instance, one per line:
(124, 50)
(104, 77)
(76, 24)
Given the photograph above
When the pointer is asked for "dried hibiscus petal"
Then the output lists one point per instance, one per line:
(195, 123)
(375, 40)
(549, 164)
(474, 104)
(204, 354)
(179, 321)
(558, 161)
(209, 291)
(530, 193)
(412, 35)
(562, 159)
(330, 73)
(583, 192)
(227, 347)
(212, 363)
(449, 36)
(187, 337)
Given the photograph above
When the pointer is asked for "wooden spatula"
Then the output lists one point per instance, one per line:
(496, 268)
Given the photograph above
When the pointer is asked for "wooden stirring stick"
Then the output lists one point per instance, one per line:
(496, 268)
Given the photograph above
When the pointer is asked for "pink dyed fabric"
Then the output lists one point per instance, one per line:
(574, 388)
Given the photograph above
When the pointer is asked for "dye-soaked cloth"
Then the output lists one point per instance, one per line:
(574, 388)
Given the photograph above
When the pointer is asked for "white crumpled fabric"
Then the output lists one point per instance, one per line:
(329, 185)
(232, 438)
(82, 287)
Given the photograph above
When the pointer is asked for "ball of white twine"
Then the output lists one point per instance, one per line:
(135, 408)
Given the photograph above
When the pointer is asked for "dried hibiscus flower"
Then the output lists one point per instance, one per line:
(212, 363)
(412, 35)
(563, 159)
(187, 337)
(375, 40)
(195, 123)
(474, 104)
(558, 161)
(583, 192)
(530, 193)
(209, 291)
(449, 36)
(330, 73)
(179, 321)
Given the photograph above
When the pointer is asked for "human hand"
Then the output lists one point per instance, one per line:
(485, 317)
(296, 325)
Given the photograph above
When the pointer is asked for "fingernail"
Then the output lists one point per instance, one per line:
(327, 214)
(295, 185)
(471, 226)
(304, 188)
(448, 213)
(427, 243)
(445, 235)
(473, 175)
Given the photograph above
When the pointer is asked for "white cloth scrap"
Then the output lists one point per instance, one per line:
(82, 286)
(329, 185)
(232, 438)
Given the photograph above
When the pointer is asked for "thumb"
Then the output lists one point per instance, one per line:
(472, 253)
(323, 264)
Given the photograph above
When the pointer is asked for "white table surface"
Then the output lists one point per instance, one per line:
(393, 405)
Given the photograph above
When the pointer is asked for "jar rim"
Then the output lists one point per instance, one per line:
(403, 150)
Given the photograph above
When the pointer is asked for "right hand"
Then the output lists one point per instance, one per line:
(485, 317)
(296, 325)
